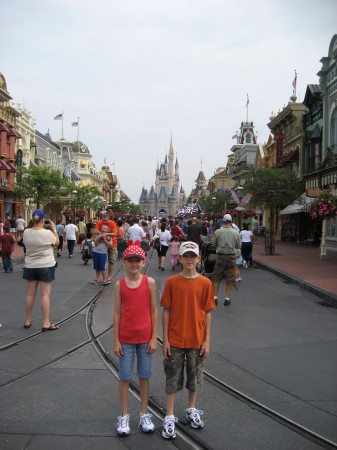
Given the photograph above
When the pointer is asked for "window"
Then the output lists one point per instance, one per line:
(248, 138)
(333, 130)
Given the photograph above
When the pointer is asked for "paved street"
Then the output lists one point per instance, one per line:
(276, 343)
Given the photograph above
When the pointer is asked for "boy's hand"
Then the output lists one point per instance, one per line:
(152, 347)
(166, 349)
(118, 350)
(204, 350)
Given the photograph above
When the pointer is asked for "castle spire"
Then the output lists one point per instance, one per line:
(171, 145)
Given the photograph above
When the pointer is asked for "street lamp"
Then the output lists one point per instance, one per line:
(239, 208)
(74, 194)
(214, 211)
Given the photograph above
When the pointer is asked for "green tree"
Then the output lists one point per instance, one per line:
(273, 189)
(40, 184)
(87, 196)
(125, 205)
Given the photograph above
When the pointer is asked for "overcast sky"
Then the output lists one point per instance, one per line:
(134, 71)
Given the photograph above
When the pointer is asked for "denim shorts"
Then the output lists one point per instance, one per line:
(174, 369)
(39, 274)
(99, 260)
(127, 360)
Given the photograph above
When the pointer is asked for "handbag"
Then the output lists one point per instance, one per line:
(156, 243)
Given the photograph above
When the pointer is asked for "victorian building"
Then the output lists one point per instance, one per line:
(243, 153)
(166, 197)
(320, 124)
(10, 204)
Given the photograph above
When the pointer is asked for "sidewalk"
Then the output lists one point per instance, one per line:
(300, 264)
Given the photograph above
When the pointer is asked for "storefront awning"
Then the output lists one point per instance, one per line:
(4, 166)
(75, 176)
(11, 166)
(299, 205)
(106, 189)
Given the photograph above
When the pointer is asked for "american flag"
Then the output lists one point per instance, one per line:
(295, 81)
(74, 124)
(58, 117)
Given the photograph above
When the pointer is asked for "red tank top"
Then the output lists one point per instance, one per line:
(135, 325)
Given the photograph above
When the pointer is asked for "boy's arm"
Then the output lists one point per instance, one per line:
(166, 320)
(152, 347)
(118, 351)
(204, 351)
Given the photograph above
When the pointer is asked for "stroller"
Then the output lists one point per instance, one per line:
(87, 250)
(208, 259)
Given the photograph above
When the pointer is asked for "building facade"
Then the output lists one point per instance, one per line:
(10, 204)
(167, 196)
(243, 153)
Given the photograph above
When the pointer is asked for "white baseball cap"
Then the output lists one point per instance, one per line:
(227, 218)
(189, 246)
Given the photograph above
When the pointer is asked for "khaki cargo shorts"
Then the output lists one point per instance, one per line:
(225, 268)
(112, 255)
(174, 369)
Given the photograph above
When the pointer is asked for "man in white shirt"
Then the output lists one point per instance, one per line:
(20, 226)
(136, 233)
(71, 236)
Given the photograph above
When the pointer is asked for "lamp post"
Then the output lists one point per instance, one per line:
(214, 211)
(239, 208)
(74, 194)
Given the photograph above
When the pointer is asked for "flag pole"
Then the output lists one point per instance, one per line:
(78, 133)
(295, 83)
(62, 124)
(247, 108)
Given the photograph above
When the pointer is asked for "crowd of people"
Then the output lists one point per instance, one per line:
(187, 299)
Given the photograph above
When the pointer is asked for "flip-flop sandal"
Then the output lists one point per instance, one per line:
(109, 279)
(95, 282)
(52, 327)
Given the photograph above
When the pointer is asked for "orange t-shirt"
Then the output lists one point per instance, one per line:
(113, 227)
(189, 300)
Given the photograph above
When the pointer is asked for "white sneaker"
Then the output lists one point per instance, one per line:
(146, 423)
(123, 427)
(193, 415)
(169, 429)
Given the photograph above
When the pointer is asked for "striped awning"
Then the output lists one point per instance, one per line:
(11, 166)
(75, 176)
(4, 166)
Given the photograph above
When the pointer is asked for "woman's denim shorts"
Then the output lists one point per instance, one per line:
(39, 274)
(126, 362)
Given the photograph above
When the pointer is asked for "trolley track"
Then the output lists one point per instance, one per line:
(157, 409)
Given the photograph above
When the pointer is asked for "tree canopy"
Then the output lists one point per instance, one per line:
(275, 188)
(40, 184)
(86, 196)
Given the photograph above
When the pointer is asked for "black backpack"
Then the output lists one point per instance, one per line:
(87, 250)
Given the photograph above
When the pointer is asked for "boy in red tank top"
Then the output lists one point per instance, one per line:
(135, 331)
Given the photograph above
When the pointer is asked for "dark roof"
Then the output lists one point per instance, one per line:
(313, 91)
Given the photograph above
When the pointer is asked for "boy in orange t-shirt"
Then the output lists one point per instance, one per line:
(187, 300)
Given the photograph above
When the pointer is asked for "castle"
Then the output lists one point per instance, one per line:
(165, 198)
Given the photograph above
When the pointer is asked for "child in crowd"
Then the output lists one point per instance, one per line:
(135, 331)
(102, 243)
(187, 303)
(238, 263)
(174, 251)
(7, 242)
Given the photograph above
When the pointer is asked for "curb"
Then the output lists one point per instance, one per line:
(323, 294)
